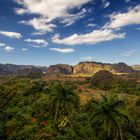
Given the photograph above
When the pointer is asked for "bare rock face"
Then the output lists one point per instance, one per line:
(84, 68)
(122, 68)
(60, 69)
(90, 67)
(93, 67)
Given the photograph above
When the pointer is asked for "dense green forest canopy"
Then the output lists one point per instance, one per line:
(36, 109)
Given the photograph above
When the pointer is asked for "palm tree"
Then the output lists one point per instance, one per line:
(106, 118)
(63, 101)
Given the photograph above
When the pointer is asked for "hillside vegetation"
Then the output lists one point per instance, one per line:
(103, 107)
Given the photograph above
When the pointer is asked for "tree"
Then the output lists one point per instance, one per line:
(63, 101)
(106, 118)
(102, 79)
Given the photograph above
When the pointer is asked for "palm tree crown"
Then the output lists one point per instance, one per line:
(105, 116)
(63, 101)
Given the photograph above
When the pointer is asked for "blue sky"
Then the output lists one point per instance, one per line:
(46, 32)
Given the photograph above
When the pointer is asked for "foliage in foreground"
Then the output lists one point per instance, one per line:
(105, 80)
(38, 110)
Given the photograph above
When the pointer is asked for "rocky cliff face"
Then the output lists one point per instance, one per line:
(90, 67)
(93, 67)
(63, 69)
(122, 68)
(59, 69)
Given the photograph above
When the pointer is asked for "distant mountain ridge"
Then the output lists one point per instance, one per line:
(20, 70)
(81, 68)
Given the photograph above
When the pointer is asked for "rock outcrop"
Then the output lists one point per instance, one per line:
(122, 68)
(93, 67)
(90, 67)
(84, 68)
(60, 69)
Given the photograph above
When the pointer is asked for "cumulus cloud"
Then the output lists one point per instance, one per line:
(62, 50)
(105, 3)
(128, 53)
(40, 24)
(11, 34)
(41, 42)
(132, 16)
(50, 10)
(87, 58)
(8, 49)
(93, 37)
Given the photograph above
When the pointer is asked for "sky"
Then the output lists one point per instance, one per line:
(47, 32)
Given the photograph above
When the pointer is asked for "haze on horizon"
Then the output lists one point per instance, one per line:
(46, 32)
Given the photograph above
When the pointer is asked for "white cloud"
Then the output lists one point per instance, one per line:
(91, 25)
(138, 28)
(132, 16)
(2, 44)
(88, 58)
(8, 49)
(41, 42)
(128, 53)
(21, 11)
(24, 49)
(62, 50)
(50, 10)
(71, 18)
(105, 3)
(93, 37)
(40, 24)
(11, 34)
